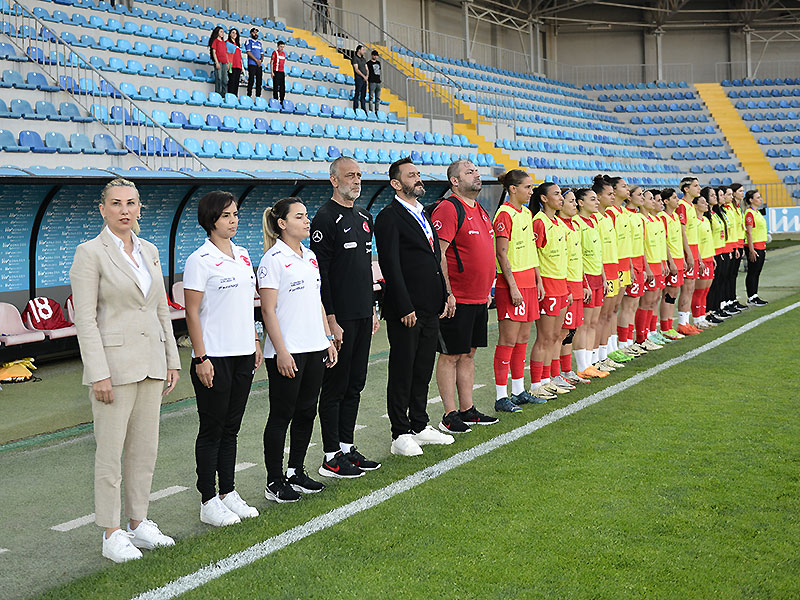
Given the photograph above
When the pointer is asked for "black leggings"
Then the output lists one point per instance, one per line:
(754, 272)
(220, 409)
(292, 401)
(720, 282)
(735, 262)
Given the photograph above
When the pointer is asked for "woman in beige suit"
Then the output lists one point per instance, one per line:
(128, 352)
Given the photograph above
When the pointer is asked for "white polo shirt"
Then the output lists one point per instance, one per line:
(226, 310)
(299, 307)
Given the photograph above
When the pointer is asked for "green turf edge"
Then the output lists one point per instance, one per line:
(159, 567)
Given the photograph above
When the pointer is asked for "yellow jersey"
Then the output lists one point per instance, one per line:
(758, 233)
(574, 252)
(591, 245)
(688, 217)
(608, 235)
(622, 227)
(718, 233)
(672, 225)
(705, 239)
(517, 227)
(655, 239)
(551, 242)
(636, 220)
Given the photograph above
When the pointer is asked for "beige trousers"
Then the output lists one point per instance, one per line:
(125, 430)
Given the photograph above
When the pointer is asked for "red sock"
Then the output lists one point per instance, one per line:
(536, 371)
(518, 361)
(502, 358)
(705, 299)
(622, 334)
(555, 368)
(566, 363)
(697, 303)
(630, 330)
(666, 324)
(641, 329)
(653, 322)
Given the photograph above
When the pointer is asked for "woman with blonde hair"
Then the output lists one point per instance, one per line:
(129, 354)
(298, 347)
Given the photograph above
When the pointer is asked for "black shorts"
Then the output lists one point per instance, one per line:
(465, 330)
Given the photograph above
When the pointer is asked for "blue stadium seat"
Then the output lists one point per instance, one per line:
(34, 142)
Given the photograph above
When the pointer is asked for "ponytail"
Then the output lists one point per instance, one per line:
(270, 228)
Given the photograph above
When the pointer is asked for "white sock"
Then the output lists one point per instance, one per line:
(289, 472)
(602, 352)
(545, 380)
(517, 386)
(613, 343)
(501, 391)
(683, 318)
(329, 455)
(581, 360)
(345, 447)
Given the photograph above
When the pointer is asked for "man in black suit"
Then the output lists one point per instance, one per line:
(415, 295)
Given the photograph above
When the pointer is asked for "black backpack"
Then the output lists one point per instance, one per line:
(460, 216)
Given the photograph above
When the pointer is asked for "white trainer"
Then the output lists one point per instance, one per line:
(429, 435)
(233, 501)
(119, 547)
(405, 445)
(562, 383)
(215, 513)
(148, 536)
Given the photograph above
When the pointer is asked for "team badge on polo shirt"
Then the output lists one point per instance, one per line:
(317, 235)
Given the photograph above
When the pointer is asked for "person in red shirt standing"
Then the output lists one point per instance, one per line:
(277, 65)
(466, 238)
(218, 49)
(235, 54)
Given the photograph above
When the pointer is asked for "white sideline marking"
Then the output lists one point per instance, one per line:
(86, 519)
(3, 550)
(242, 466)
(337, 515)
(357, 427)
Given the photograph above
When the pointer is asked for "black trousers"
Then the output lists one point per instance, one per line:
(220, 409)
(754, 272)
(291, 401)
(412, 353)
(254, 75)
(233, 81)
(279, 85)
(360, 97)
(730, 296)
(342, 385)
(720, 282)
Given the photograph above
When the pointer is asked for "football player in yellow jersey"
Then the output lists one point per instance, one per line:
(551, 241)
(733, 218)
(738, 207)
(594, 273)
(705, 244)
(675, 262)
(607, 319)
(655, 250)
(756, 232)
(517, 291)
(690, 188)
(561, 372)
(721, 233)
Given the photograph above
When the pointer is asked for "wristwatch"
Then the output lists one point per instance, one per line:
(199, 360)
(330, 338)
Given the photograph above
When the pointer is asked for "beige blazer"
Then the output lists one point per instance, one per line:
(122, 334)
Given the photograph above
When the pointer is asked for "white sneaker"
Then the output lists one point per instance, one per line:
(405, 445)
(119, 548)
(562, 383)
(148, 536)
(233, 501)
(215, 513)
(429, 435)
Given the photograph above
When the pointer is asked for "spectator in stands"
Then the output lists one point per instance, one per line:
(218, 49)
(298, 348)
(466, 238)
(219, 286)
(277, 65)
(255, 52)
(341, 237)
(361, 78)
(410, 257)
(235, 54)
(128, 353)
(374, 80)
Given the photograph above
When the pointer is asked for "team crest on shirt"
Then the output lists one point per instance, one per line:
(535, 236)
(245, 260)
(365, 225)
(437, 224)
(262, 272)
(313, 261)
(317, 235)
(501, 226)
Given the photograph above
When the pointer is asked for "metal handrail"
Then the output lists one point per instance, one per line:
(74, 67)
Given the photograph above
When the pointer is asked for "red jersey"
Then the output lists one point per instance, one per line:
(220, 48)
(475, 242)
(44, 314)
(278, 61)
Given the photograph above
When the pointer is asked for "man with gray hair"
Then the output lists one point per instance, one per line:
(341, 237)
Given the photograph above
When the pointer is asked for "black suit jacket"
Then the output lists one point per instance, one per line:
(410, 267)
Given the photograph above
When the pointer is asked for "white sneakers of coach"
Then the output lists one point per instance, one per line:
(215, 513)
(233, 501)
(148, 536)
(429, 435)
(119, 547)
(405, 445)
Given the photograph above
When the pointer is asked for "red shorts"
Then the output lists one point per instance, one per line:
(707, 268)
(611, 270)
(596, 285)
(636, 288)
(675, 280)
(553, 305)
(526, 312)
(690, 271)
(574, 315)
(657, 283)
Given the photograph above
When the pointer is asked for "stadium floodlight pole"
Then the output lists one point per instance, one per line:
(465, 6)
